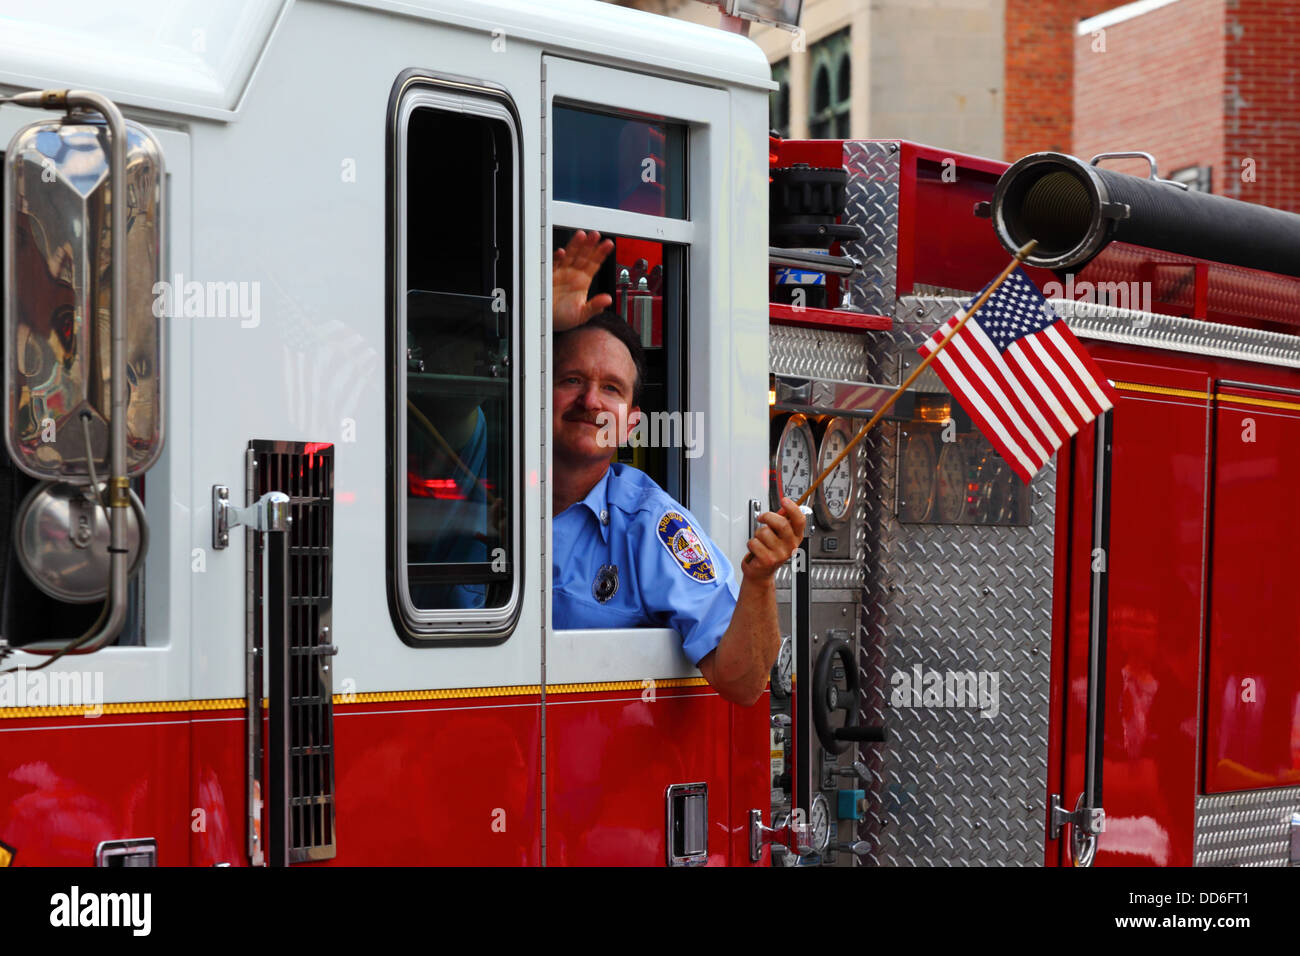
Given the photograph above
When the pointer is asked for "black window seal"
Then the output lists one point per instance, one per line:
(438, 633)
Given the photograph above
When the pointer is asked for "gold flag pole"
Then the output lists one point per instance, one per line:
(1021, 254)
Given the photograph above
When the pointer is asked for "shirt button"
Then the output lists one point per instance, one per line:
(604, 516)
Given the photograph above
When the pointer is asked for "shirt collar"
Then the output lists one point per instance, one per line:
(597, 502)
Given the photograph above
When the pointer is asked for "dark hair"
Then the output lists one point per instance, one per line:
(610, 322)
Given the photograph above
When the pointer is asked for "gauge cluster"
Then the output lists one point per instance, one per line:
(950, 477)
(802, 447)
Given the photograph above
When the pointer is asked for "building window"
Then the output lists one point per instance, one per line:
(779, 100)
(831, 87)
(1196, 177)
(455, 384)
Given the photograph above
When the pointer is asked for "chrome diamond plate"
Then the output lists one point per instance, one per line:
(815, 354)
(872, 202)
(952, 787)
(1130, 327)
(1245, 828)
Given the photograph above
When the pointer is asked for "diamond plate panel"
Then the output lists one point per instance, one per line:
(872, 202)
(843, 356)
(953, 787)
(1130, 327)
(1247, 828)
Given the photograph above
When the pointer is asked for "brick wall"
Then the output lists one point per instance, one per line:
(1154, 83)
(1039, 72)
(1262, 107)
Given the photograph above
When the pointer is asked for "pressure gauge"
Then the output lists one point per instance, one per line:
(819, 823)
(783, 670)
(834, 498)
(995, 490)
(915, 477)
(792, 459)
(950, 484)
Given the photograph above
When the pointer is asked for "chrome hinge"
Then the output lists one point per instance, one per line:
(268, 513)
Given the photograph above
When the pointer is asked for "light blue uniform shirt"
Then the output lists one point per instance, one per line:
(631, 544)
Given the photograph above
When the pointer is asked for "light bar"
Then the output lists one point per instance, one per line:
(781, 13)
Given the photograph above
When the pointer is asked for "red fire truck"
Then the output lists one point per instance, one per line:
(277, 277)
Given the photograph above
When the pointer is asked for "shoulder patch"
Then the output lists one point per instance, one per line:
(686, 546)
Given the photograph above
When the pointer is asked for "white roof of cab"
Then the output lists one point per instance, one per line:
(197, 57)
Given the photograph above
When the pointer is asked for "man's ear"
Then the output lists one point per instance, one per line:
(633, 418)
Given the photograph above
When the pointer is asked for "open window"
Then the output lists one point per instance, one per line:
(649, 163)
(624, 174)
(454, 363)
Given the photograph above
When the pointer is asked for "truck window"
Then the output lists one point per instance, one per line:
(455, 343)
(644, 279)
(620, 162)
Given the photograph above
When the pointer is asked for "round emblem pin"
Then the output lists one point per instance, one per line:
(606, 583)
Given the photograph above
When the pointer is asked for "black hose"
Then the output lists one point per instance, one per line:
(1075, 210)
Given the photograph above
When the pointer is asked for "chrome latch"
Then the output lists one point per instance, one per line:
(793, 836)
(1090, 820)
(269, 513)
(1086, 825)
(687, 824)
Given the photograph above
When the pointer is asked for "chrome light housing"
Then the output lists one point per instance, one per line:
(58, 293)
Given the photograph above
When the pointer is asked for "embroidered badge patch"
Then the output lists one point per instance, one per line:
(684, 544)
(606, 584)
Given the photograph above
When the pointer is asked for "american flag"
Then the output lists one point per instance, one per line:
(1021, 374)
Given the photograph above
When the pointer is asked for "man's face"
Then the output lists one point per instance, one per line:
(594, 379)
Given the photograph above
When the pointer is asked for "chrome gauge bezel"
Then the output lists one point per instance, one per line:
(795, 423)
(819, 808)
(783, 669)
(836, 426)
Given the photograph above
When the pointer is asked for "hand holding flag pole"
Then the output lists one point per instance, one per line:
(1021, 255)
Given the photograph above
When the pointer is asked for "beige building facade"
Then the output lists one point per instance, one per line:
(924, 70)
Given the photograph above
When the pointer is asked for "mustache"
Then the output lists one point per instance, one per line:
(581, 417)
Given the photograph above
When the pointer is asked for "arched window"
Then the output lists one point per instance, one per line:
(779, 100)
(832, 87)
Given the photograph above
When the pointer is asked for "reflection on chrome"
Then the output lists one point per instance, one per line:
(57, 224)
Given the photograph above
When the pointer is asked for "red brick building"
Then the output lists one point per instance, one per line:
(1207, 86)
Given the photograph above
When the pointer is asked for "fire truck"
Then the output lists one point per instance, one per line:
(277, 552)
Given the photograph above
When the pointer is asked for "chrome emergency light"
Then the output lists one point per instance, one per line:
(58, 289)
(83, 345)
(780, 13)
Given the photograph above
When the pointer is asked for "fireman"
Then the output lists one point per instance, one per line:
(625, 553)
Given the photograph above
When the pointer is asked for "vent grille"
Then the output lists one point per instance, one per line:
(305, 472)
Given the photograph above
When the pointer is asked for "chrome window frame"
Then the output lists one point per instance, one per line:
(439, 627)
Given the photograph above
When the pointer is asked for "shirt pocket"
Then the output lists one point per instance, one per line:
(573, 611)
